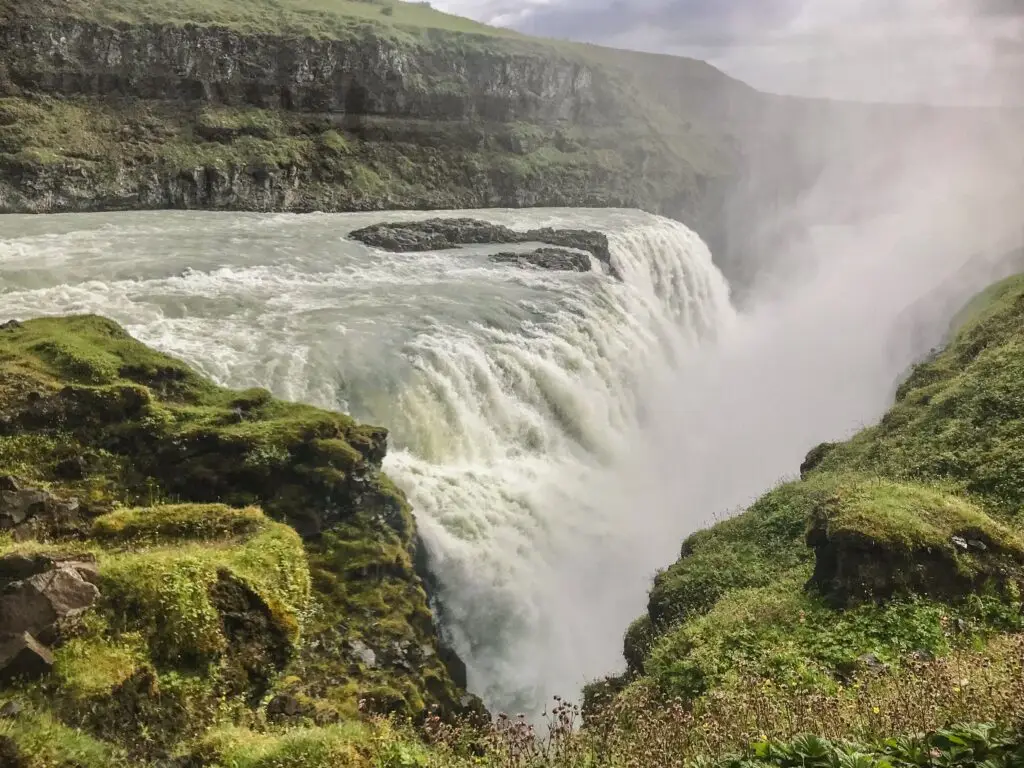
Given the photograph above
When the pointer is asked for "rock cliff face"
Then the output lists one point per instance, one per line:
(368, 74)
(113, 116)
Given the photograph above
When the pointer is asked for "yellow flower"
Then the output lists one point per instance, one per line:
(876, 710)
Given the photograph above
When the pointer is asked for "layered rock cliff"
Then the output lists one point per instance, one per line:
(104, 114)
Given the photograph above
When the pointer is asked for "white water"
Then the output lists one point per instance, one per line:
(558, 433)
(513, 396)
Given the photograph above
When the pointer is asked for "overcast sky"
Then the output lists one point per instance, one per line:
(940, 50)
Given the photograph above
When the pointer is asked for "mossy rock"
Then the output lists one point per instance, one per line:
(284, 548)
(877, 539)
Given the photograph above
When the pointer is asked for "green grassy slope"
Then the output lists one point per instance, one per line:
(192, 498)
(896, 559)
(318, 18)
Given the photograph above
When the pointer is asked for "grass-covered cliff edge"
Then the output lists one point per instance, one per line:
(358, 105)
(878, 595)
(176, 558)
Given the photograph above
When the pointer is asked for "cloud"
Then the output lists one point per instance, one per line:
(871, 49)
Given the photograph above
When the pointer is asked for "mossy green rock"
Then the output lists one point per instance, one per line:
(248, 549)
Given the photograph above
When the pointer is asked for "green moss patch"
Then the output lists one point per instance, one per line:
(878, 538)
(211, 608)
(173, 522)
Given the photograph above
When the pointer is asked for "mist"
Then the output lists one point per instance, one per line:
(901, 214)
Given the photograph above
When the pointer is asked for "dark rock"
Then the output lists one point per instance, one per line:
(10, 756)
(851, 568)
(814, 458)
(28, 512)
(558, 259)
(284, 705)
(9, 483)
(74, 468)
(441, 234)
(433, 235)
(10, 325)
(22, 657)
(37, 603)
(871, 662)
(922, 657)
(10, 710)
(258, 647)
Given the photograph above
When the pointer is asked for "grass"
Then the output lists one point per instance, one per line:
(210, 606)
(897, 557)
(317, 18)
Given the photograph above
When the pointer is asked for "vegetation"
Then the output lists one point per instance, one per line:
(210, 610)
(873, 596)
(873, 608)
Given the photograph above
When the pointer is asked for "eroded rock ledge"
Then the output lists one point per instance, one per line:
(443, 234)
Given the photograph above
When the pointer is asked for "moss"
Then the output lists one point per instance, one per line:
(901, 543)
(177, 522)
(207, 603)
(42, 741)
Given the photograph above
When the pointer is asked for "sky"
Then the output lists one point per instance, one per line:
(964, 51)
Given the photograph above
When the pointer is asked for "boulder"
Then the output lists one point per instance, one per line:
(22, 657)
(37, 603)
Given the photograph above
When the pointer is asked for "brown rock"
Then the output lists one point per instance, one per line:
(23, 657)
(37, 603)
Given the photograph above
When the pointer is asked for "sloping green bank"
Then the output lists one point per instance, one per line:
(185, 557)
(881, 593)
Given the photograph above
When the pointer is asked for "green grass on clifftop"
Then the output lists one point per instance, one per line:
(193, 499)
(318, 18)
(897, 559)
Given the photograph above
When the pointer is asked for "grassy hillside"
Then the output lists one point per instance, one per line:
(881, 593)
(875, 603)
(319, 18)
(244, 560)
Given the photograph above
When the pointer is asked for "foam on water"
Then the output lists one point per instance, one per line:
(513, 396)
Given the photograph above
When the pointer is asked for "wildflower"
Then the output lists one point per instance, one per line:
(876, 710)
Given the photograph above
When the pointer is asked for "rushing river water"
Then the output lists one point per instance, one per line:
(557, 433)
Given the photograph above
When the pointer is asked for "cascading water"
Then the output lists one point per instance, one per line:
(514, 397)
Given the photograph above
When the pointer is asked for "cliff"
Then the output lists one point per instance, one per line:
(176, 557)
(878, 594)
(365, 106)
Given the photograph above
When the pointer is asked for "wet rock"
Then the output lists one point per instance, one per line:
(433, 235)
(22, 657)
(442, 234)
(959, 542)
(555, 259)
(37, 603)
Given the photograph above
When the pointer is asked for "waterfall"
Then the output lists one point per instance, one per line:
(515, 398)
